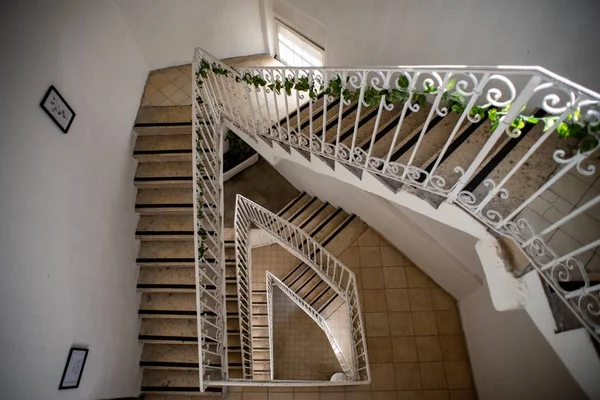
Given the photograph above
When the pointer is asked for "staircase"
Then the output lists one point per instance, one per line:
(331, 227)
(335, 230)
(166, 257)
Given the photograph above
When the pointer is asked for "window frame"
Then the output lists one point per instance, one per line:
(306, 41)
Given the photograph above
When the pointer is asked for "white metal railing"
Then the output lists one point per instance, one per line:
(244, 292)
(314, 315)
(339, 277)
(211, 317)
(261, 101)
(269, 290)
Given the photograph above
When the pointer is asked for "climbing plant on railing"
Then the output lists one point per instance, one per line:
(572, 127)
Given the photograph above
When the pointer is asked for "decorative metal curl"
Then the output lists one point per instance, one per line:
(494, 95)
(394, 168)
(589, 305)
(359, 156)
(379, 81)
(343, 152)
(463, 84)
(563, 271)
(375, 163)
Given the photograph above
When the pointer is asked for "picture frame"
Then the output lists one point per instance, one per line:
(57, 108)
(71, 375)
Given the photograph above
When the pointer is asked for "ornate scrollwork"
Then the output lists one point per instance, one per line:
(329, 149)
(374, 163)
(359, 156)
(569, 270)
(494, 95)
(343, 152)
(589, 305)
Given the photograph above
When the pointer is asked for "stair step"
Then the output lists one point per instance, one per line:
(167, 250)
(307, 211)
(366, 123)
(164, 117)
(526, 181)
(168, 304)
(171, 353)
(344, 235)
(170, 330)
(163, 143)
(164, 170)
(171, 379)
(435, 137)
(166, 201)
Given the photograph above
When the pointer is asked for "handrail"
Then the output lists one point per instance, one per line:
(314, 315)
(501, 99)
(339, 277)
(209, 252)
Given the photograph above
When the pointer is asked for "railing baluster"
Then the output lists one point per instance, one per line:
(519, 102)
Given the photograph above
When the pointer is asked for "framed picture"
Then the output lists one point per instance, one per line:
(57, 108)
(73, 369)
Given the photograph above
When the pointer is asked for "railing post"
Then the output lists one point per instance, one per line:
(515, 109)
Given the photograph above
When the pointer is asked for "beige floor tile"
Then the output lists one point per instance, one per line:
(332, 396)
(384, 395)
(424, 323)
(458, 375)
(379, 349)
(401, 324)
(462, 395)
(436, 395)
(408, 376)
(442, 300)
(350, 257)
(416, 278)
(377, 324)
(397, 300)
(428, 348)
(281, 396)
(390, 257)
(410, 395)
(453, 348)
(433, 375)
(374, 300)
(358, 396)
(404, 349)
(420, 299)
(369, 238)
(233, 396)
(370, 256)
(372, 278)
(255, 396)
(448, 322)
(306, 395)
(395, 277)
(382, 376)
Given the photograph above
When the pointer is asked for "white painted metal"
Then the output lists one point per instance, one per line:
(207, 142)
(498, 86)
(313, 314)
(339, 277)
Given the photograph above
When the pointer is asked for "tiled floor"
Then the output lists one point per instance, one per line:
(273, 258)
(301, 349)
(414, 335)
(262, 184)
(168, 87)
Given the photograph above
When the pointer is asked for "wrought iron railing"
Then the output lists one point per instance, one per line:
(339, 277)
(314, 315)
(208, 240)
(509, 100)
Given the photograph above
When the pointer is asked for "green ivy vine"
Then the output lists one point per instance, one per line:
(571, 128)
(200, 211)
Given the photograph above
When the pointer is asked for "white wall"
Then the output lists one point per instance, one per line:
(67, 248)
(510, 358)
(560, 35)
(167, 31)
(454, 266)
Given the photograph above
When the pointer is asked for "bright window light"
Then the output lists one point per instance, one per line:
(295, 51)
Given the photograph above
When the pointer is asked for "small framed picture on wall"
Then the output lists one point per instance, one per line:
(57, 108)
(73, 369)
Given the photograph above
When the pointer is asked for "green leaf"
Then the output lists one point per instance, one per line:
(403, 81)
(493, 114)
(518, 123)
(531, 120)
(548, 123)
(450, 85)
(495, 125)
(563, 130)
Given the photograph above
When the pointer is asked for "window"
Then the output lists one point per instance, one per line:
(296, 51)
